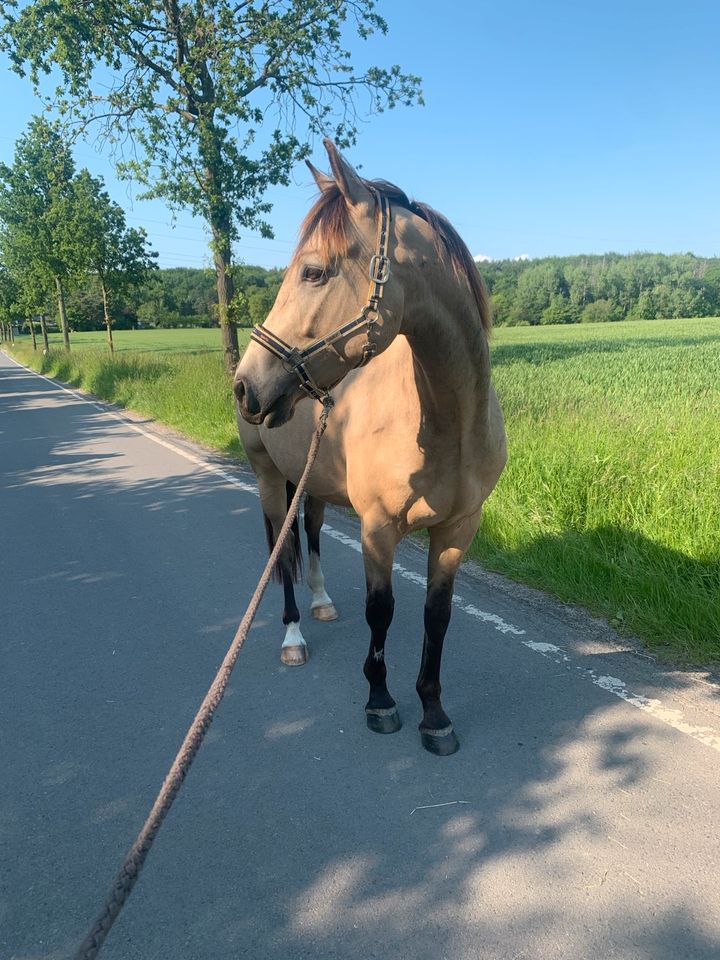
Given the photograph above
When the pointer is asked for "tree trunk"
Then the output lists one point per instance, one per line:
(106, 312)
(12, 333)
(62, 313)
(220, 220)
(43, 327)
(225, 292)
(31, 324)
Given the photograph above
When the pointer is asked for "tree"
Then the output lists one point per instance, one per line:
(35, 207)
(599, 311)
(559, 310)
(9, 294)
(191, 83)
(101, 242)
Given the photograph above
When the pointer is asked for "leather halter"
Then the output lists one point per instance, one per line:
(295, 360)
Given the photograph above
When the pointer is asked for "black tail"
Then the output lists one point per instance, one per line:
(296, 558)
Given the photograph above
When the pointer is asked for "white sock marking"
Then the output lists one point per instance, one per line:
(316, 582)
(293, 636)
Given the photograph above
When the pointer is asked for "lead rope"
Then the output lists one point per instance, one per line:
(135, 857)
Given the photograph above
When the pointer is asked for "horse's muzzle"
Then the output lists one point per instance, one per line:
(248, 403)
(252, 409)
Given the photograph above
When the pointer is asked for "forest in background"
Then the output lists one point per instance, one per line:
(596, 288)
(177, 297)
(579, 289)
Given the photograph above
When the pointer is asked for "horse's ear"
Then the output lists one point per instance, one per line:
(350, 184)
(323, 181)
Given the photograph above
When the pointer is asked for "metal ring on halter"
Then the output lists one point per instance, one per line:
(294, 359)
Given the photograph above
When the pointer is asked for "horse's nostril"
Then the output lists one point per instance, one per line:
(246, 397)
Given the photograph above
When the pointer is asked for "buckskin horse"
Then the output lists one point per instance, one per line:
(416, 437)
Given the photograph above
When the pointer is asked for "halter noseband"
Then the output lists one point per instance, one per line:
(295, 360)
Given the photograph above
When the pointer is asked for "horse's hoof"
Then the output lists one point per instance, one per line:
(325, 611)
(383, 721)
(294, 656)
(440, 742)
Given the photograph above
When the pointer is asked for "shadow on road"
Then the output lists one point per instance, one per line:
(299, 834)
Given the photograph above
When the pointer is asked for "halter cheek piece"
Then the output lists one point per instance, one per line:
(295, 360)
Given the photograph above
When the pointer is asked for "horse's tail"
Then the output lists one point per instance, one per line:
(294, 543)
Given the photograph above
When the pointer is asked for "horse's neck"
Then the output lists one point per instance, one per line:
(451, 357)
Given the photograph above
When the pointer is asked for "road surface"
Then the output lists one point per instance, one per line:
(578, 821)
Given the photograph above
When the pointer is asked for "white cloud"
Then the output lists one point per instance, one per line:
(481, 258)
(522, 256)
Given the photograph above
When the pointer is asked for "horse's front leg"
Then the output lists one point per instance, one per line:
(447, 548)
(378, 551)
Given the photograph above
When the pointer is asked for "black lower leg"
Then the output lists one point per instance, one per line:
(436, 728)
(381, 711)
(291, 614)
(314, 513)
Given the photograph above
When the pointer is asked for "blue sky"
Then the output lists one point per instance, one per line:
(549, 128)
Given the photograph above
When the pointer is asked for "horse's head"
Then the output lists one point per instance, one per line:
(334, 311)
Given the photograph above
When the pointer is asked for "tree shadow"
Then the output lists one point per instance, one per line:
(639, 585)
(299, 833)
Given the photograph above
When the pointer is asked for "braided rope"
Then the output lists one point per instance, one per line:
(135, 857)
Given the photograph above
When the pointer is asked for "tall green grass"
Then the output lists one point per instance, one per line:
(612, 491)
(610, 497)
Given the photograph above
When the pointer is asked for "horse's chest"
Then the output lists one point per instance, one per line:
(413, 486)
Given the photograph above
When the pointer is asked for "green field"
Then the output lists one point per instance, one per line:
(157, 341)
(610, 498)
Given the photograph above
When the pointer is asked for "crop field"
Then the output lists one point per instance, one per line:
(611, 491)
(610, 498)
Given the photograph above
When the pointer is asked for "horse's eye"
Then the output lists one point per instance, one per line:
(314, 274)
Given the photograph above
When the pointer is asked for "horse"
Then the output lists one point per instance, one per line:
(415, 440)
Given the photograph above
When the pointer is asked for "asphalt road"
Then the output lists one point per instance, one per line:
(579, 819)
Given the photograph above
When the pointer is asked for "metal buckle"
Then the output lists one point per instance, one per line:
(379, 269)
(369, 350)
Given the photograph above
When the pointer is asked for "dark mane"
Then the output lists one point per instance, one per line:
(328, 223)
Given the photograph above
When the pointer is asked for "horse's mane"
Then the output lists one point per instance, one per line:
(328, 223)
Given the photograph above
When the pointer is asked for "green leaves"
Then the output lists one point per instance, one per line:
(35, 196)
(216, 99)
(194, 84)
(59, 226)
(610, 287)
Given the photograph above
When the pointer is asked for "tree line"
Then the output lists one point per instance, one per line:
(179, 297)
(612, 286)
(58, 229)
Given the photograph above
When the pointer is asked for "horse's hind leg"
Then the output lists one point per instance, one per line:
(275, 495)
(378, 551)
(321, 606)
(447, 548)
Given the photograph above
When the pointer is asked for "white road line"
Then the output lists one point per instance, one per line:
(671, 717)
